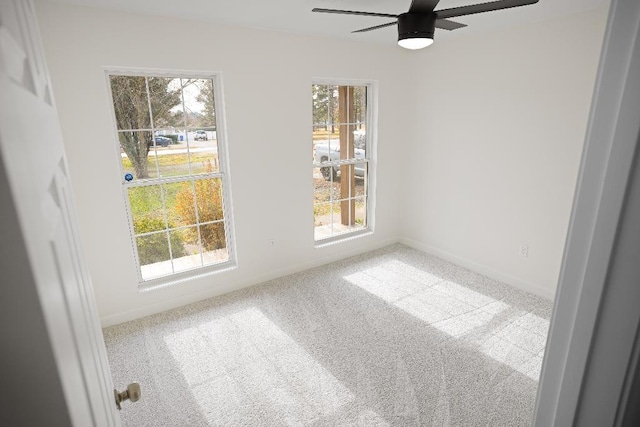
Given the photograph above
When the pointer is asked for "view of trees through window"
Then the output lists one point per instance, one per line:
(340, 159)
(171, 172)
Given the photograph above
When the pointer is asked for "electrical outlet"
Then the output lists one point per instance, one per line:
(524, 250)
(271, 243)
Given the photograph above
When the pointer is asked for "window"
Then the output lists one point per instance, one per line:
(173, 174)
(341, 160)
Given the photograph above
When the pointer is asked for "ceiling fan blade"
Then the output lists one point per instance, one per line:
(423, 6)
(364, 30)
(445, 24)
(481, 7)
(352, 12)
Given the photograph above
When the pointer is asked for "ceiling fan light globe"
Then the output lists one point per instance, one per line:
(415, 43)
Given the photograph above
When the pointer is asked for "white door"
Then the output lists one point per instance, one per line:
(32, 155)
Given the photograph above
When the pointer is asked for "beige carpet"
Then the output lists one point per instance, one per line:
(390, 338)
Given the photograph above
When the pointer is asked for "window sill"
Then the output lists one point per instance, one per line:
(343, 238)
(187, 276)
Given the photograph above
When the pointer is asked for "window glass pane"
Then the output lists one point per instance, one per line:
(166, 102)
(203, 150)
(130, 102)
(347, 93)
(333, 108)
(214, 243)
(146, 209)
(347, 215)
(209, 199)
(327, 151)
(362, 178)
(338, 188)
(166, 137)
(322, 190)
(215, 256)
(138, 153)
(198, 95)
(336, 219)
(317, 174)
(152, 164)
(185, 249)
(320, 98)
(180, 203)
(346, 183)
(324, 115)
(360, 106)
(322, 231)
(206, 96)
(326, 136)
(360, 142)
(361, 213)
(346, 120)
(191, 239)
(319, 135)
(173, 159)
(345, 144)
(126, 166)
(322, 215)
(323, 139)
(341, 113)
(351, 128)
(328, 219)
(154, 255)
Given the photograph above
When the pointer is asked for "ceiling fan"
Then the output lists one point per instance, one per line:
(416, 27)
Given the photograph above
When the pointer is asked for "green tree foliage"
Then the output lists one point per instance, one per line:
(207, 98)
(323, 105)
(132, 97)
(360, 104)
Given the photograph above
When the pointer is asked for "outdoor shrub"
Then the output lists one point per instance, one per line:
(213, 236)
(146, 202)
(173, 137)
(154, 248)
(209, 203)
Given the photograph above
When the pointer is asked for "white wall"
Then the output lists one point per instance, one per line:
(500, 121)
(479, 143)
(267, 81)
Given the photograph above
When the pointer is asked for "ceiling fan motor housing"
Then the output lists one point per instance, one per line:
(416, 25)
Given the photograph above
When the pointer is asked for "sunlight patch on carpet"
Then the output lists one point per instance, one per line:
(508, 335)
(250, 359)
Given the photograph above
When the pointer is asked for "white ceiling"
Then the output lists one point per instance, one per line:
(295, 16)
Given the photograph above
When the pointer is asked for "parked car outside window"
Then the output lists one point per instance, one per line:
(201, 135)
(162, 141)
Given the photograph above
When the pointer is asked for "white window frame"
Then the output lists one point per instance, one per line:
(223, 174)
(371, 143)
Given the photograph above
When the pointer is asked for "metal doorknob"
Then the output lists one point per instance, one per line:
(132, 393)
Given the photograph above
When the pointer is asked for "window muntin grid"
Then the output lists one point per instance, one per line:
(340, 209)
(189, 175)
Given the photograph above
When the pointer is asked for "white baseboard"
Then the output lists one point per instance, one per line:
(509, 279)
(151, 309)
